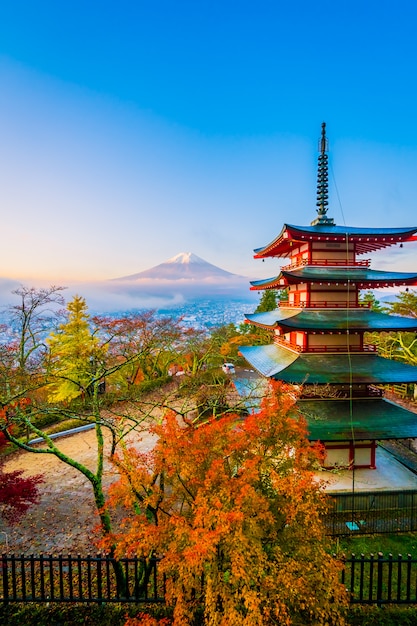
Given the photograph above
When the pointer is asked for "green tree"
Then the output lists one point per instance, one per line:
(400, 346)
(405, 304)
(74, 352)
(268, 302)
(370, 300)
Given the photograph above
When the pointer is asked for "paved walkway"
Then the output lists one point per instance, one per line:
(390, 474)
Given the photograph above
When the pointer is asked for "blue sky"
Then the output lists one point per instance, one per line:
(132, 131)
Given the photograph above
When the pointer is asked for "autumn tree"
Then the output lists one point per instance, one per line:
(81, 356)
(17, 492)
(234, 509)
(154, 341)
(21, 357)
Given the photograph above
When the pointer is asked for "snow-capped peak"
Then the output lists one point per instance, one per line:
(185, 258)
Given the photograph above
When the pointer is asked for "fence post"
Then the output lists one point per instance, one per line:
(5, 579)
(409, 559)
(379, 580)
(99, 580)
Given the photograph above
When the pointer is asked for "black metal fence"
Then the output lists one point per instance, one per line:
(381, 580)
(369, 513)
(79, 579)
(369, 580)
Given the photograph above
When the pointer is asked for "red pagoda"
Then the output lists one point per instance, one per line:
(318, 332)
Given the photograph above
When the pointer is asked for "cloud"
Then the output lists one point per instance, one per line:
(110, 296)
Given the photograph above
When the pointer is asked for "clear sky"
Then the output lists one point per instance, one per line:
(132, 131)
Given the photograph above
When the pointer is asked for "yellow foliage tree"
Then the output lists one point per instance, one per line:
(74, 354)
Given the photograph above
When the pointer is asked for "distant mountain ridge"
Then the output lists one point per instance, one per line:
(183, 266)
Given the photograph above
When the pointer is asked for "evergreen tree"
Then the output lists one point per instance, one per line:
(369, 299)
(406, 304)
(74, 351)
(268, 301)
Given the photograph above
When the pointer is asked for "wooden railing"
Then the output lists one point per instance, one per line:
(325, 304)
(287, 344)
(323, 348)
(327, 263)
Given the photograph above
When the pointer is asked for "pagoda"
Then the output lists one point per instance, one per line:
(317, 332)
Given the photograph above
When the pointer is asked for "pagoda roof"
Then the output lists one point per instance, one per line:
(362, 319)
(363, 277)
(278, 362)
(339, 420)
(366, 239)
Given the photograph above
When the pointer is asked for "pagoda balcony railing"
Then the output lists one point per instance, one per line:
(327, 263)
(325, 304)
(323, 348)
(287, 344)
(371, 391)
(368, 347)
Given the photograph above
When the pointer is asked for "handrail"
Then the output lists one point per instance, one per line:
(324, 348)
(327, 263)
(287, 344)
(325, 304)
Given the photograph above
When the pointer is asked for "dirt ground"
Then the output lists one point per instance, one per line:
(65, 518)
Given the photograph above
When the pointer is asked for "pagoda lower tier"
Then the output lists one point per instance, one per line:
(349, 430)
(341, 378)
(278, 362)
(342, 398)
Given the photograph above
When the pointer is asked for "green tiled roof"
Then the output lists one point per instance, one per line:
(271, 318)
(267, 281)
(277, 362)
(312, 319)
(330, 420)
(336, 275)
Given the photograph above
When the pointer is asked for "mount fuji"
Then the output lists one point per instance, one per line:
(184, 266)
(184, 279)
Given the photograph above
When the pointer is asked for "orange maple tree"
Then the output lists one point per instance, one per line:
(234, 509)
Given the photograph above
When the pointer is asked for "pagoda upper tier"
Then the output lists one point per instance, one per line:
(361, 278)
(363, 240)
(320, 332)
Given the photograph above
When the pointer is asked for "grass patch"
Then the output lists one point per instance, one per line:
(75, 614)
(404, 544)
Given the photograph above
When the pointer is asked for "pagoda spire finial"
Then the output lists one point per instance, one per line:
(323, 180)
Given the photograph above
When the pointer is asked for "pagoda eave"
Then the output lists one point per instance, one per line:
(313, 320)
(334, 420)
(278, 362)
(365, 239)
(278, 282)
